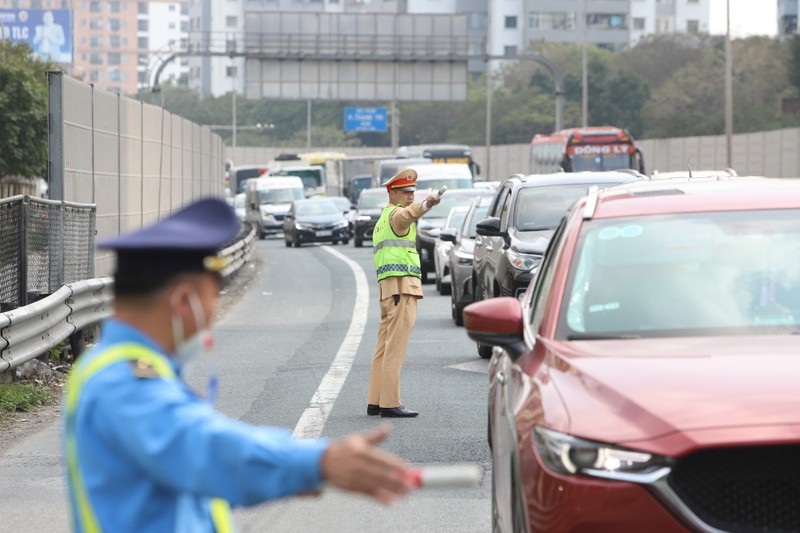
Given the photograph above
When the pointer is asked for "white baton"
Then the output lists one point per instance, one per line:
(441, 477)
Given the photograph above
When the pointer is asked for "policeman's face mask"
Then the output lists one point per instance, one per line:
(186, 349)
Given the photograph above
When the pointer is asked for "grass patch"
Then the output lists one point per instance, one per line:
(22, 397)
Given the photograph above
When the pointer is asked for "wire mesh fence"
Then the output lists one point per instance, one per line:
(11, 253)
(43, 244)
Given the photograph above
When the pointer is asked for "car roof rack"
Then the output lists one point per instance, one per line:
(591, 202)
(632, 172)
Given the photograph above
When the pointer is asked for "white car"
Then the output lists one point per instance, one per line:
(239, 206)
(441, 249)
(490, 185)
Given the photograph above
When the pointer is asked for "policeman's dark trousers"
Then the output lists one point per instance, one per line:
(397, 322)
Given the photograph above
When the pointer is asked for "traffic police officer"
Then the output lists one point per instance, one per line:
(400, 285)
(144, 452)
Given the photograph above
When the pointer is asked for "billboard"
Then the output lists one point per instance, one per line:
(47, 31)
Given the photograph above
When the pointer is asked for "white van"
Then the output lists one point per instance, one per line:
(269, 199)
(435, 175)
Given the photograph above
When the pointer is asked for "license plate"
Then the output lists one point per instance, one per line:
(324, 233)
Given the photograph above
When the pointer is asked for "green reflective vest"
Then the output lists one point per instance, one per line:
(394, 256)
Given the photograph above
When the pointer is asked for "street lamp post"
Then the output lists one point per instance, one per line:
(728, 90)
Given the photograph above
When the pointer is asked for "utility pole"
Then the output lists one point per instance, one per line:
(233, 109)
(728, 90)
(308, 124)
(584, 62)
(488, 165)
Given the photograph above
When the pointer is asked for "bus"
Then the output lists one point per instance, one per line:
(581, 149)
(442, 153)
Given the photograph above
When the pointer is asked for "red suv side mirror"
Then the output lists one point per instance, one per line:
(497, 322)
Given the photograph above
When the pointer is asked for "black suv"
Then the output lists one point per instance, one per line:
(370, 204)
(429, 226)
(523, 215)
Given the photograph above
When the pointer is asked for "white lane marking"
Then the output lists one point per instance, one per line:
(481, 366)
(313, 419)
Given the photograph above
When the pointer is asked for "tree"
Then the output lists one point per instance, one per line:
(794, 63)
(23, 111)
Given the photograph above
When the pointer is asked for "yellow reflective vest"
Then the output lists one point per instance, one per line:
(393, 255)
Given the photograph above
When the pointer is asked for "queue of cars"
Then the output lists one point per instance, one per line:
(641, 335)
(645, 378)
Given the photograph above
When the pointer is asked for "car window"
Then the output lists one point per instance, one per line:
(504, 212)
(370, 200)
(455, 220)
(342, 203)
(279, 196)
(685, 275)
(545, 278)
(316, 207)
(541, 208)
(449, 202)
(478, 213)
(497, 203)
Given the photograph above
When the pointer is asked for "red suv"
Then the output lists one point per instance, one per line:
(648, 379)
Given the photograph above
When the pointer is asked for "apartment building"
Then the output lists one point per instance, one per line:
(162, 29)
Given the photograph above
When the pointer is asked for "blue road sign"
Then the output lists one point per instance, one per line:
(365, 119)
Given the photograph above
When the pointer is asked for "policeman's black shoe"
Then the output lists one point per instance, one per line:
(373, 409)
(397, 412)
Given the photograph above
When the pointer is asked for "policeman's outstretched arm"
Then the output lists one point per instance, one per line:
(356, 464)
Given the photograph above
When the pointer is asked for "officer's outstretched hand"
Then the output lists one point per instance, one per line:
(356, 464)
(433, 200)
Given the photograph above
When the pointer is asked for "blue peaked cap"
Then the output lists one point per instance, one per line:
(179, 243)
(204, 225)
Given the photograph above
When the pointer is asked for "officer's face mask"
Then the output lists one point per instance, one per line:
(186, 349)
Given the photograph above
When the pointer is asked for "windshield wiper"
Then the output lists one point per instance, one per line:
(597, 337)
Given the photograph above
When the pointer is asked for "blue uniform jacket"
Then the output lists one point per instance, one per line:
(152, 453)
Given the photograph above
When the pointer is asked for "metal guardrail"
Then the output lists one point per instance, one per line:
(239, 253)
(28, 332)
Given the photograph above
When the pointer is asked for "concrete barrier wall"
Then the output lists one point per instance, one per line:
(772, 154)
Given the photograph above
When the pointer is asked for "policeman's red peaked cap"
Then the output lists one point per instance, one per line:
(186, 241)
(405, 180)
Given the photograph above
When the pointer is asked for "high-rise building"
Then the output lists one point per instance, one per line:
(787, 18)
(217, 26)
(163, 29)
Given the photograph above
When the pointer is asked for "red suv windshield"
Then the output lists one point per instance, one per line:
(690, 275)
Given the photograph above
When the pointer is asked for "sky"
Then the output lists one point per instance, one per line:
(748, 17)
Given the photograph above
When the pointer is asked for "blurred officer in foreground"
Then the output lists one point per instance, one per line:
(144, 452)
(400, 285)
